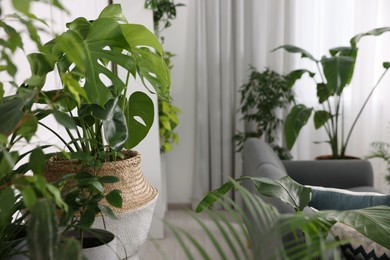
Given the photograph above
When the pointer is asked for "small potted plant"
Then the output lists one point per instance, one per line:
(261, 97)
(102, 120)
(335, 72)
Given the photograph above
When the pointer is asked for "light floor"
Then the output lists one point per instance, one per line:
(170, 246)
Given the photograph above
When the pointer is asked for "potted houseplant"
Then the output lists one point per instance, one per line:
(261, 96)
(102, 120)
(27, 208)
(335, 72)
(163, 12)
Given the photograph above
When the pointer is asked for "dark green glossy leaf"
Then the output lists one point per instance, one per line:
(323, 92)
(386, 65)
(297, 74)
(296, 119)
(321, 117)
(64, 119)
(87, 217)
(115, 198)
(338, 71)
(295, 49)
(11, 114)
(108, 179)
(138, 107)
(40, 66)
(37, 161)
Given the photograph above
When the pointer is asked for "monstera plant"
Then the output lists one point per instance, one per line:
(93, 103)
(334, 74)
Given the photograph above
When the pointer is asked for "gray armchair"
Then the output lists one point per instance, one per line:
(259, 160)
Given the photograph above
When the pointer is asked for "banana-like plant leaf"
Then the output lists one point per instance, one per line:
(321, 117)
(374, 32)
(286, 189)
(374, 222)
(296, 119)
(297, 74)
(138, 107)
(295, 49)
(338, 71)
(323, 92)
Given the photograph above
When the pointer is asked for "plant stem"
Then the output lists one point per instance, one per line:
(360, 112)
(58, 136)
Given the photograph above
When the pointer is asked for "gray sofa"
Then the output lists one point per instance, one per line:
(259, 160)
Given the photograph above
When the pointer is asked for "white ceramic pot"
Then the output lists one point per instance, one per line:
(131, 229)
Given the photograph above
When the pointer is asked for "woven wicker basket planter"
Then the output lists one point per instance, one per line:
(139, 199)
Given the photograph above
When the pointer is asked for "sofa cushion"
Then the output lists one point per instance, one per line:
(360, 247)
(340, 199)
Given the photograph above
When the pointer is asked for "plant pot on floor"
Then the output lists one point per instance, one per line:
(97, 244)
(139, 199)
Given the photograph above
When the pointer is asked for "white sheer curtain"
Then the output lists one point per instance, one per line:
(235, 33)
(231, 35)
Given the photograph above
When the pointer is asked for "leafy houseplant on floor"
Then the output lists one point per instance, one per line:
(265, 228)
(27, 202)
(261, 96)
(101, 121)
(335, 72)
(163, 12)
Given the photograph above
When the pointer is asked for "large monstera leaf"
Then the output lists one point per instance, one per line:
(139, 112)
(89, 48)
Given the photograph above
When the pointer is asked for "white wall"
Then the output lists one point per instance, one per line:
(180, 39)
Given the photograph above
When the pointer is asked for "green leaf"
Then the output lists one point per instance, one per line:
(386, 65)
(338, 72)
(373, 222)
(138, 35)
(64, 119)
(297, 74)
(295, 120)
(28, 129)
(87, 217)
(29, 197)
(213, 196)
(37, 161)
(42, 231)
(73, 87)
(40, 66)
(139, 106)
(295, 49)
(113, 11)
(108, 179)
(323, 92)
(115, 126)
(115, 198)
(7, 207)
(286, 189)
(107, 211)
(374, 32)
(10, 114)
(321, 117)
(22, 5)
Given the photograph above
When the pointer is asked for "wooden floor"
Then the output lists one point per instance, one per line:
(169, 247)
